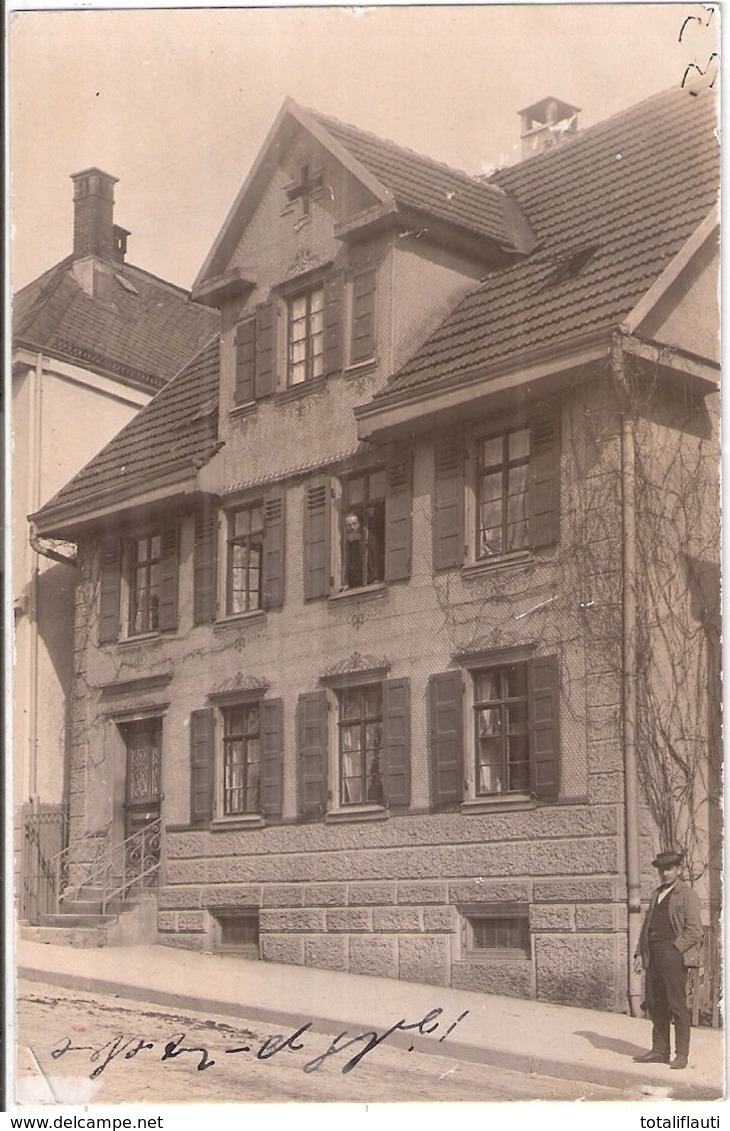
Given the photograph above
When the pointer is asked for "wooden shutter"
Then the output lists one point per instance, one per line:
(272, 756)
(109, 589)
(398, 507)
(333, 292)
(544, 695)
(202, 760)
(448, 505)
(397, 741)
(316, 541)
(168, 576)
(205, 566)
(265, 374)
(447, 738)
(362, 330)
(245, 361)
(312, 753)
(544, 494)
(274, 540)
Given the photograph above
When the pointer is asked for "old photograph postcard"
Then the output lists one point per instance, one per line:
(364, 557)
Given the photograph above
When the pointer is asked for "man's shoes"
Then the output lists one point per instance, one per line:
(654, 1058)
(679, 1062)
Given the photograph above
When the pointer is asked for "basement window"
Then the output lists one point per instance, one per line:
(237, 931)
(496, 931)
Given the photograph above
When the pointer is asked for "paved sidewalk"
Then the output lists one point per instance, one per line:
(552, 1040)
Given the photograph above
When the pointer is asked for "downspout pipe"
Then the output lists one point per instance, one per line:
(629, 690)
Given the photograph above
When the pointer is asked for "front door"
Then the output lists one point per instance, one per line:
(143, 741)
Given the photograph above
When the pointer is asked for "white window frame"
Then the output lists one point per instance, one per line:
(337, 810)
(499, 427)
(498, 660)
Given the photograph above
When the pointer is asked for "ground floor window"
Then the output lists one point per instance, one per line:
(242, 759)
(501, 730)
(360, 725)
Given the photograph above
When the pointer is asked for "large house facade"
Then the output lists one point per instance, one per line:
(397, 607)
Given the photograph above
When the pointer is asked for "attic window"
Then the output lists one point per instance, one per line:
(571, 264)
(307, 188)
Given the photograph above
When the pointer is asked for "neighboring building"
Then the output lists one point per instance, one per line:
(93, 339)
(400, 608)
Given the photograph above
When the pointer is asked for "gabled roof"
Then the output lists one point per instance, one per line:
(178, 429)
(396, 176)
(610, 209)
(143, 334)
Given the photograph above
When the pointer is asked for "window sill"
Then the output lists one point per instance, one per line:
(361, 368)
(498, 804)
(365, 591)
(492, 565)
(501, 956)
(242, 821)
(142, 638)
(233, 619)
(356, 813)
(303, 389)
(243, 410)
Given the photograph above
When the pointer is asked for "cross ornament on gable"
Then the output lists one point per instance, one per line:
(306, 189)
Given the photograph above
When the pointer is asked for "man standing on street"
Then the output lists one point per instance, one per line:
(669, 944)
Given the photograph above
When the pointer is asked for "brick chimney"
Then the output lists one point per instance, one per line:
(93, 214)
(546, 123)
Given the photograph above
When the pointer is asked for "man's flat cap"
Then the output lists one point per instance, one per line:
(667, 859)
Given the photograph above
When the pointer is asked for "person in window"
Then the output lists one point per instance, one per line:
(669, 943)
(363, 562)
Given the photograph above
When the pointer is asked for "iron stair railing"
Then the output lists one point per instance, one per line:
(116, 869)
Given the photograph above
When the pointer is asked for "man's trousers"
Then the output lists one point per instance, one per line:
(666, 998)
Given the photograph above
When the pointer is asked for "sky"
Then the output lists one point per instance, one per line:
(176, 103)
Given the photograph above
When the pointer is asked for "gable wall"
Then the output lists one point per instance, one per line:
(687, 315)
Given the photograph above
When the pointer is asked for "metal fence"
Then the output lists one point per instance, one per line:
(43, 837)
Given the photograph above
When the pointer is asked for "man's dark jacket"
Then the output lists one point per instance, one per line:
(685, 916)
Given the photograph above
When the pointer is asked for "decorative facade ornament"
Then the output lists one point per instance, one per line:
(358, 662)
(239, 682)
(304, 260)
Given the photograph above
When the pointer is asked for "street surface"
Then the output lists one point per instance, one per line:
(142, 1053)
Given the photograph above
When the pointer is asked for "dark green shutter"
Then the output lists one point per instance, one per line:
(448, 505)
(312, 754)
(316, 541)
(333, 294)
(398, 508)
(109, 589)
(245, 361)
(168, 576)
(544, 697)
(205, 565)
(544, 495)
(265, 375)
(272, 751)
(447, 738)
(362, 341)
(202, 759)
(274, 541)
(397, 741)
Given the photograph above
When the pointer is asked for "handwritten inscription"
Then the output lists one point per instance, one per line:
(123, 1047)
